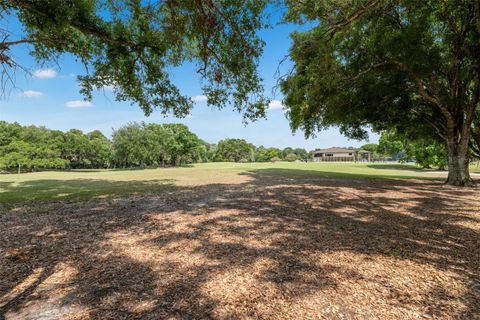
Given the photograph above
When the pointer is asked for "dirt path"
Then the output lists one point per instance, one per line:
(270, 248)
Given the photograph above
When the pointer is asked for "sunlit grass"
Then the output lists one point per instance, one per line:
(84, 184)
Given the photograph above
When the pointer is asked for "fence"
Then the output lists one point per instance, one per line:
(335, 159)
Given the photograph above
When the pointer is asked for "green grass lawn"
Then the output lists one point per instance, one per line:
(475, 167)
(100, 183)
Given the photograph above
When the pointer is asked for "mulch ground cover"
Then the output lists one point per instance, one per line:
(267, 248)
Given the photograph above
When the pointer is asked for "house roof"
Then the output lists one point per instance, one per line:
(334, 150)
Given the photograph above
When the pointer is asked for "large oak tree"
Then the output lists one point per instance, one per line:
(399, 64)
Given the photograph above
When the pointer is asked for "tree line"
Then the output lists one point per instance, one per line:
(31, 148)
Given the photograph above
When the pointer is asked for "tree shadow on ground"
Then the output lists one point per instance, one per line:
(282, 245)
(320, 175)
(77, 189)
(396, 166)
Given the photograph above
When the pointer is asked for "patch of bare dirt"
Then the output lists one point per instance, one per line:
(270, 248)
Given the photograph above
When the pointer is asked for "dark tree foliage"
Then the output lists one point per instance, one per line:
(427, 151)
(389, 64)
(133, 44)
(291, 157)
(36, 148)
(235, 150)
(285, 152)
(141, 144)
(133, 145)
(263, 154)
(302, 154)
(273, 152)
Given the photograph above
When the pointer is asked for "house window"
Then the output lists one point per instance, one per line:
(328, 154)
(350, 154)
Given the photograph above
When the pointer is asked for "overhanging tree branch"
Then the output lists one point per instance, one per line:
(351, 18)
(422, 90)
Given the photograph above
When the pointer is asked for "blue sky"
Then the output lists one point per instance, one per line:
(50, 96)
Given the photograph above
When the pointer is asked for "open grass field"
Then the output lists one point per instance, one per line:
(78, 185)
(239, 241)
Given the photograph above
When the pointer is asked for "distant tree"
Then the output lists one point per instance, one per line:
(202, 151)
(182, 145)
(286, 152)
(372, 147)
(9, 132)
(16, 154)
(140, 144)
(129, 146)
(234, 150)
(211, 150)
(273, 153)
(75, 149)
(29, 148)
(261, 154)
(427, 151)
(276, 159)
(291, 157)
(302, 154)
(429, 154)
(391, 144)
(99, 152)
(155, 139)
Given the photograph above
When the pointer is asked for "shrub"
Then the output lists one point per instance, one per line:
(291, 157)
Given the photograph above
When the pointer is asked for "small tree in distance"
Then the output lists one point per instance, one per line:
(291, 157)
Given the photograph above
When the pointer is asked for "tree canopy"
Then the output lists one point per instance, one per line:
(32, 148)
(428, 152)
(235, 150)
(132, 44)
(389, 65)
(37, 148)
(141, 144)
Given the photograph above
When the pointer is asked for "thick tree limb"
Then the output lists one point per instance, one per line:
(233, 25)
(422, 90)
(369, 69)
(436, 127)
(351, 18)
(477, 14)
(7, 44)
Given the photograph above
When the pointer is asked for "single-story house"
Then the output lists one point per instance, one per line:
(340, 154)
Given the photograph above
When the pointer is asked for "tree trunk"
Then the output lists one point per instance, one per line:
(458, 161)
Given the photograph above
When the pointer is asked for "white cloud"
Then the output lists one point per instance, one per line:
(45, 73)
(78, 104)
(31, 94)
(199, 99)
(276, 104)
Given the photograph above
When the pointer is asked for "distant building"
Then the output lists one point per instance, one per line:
(341, 154)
